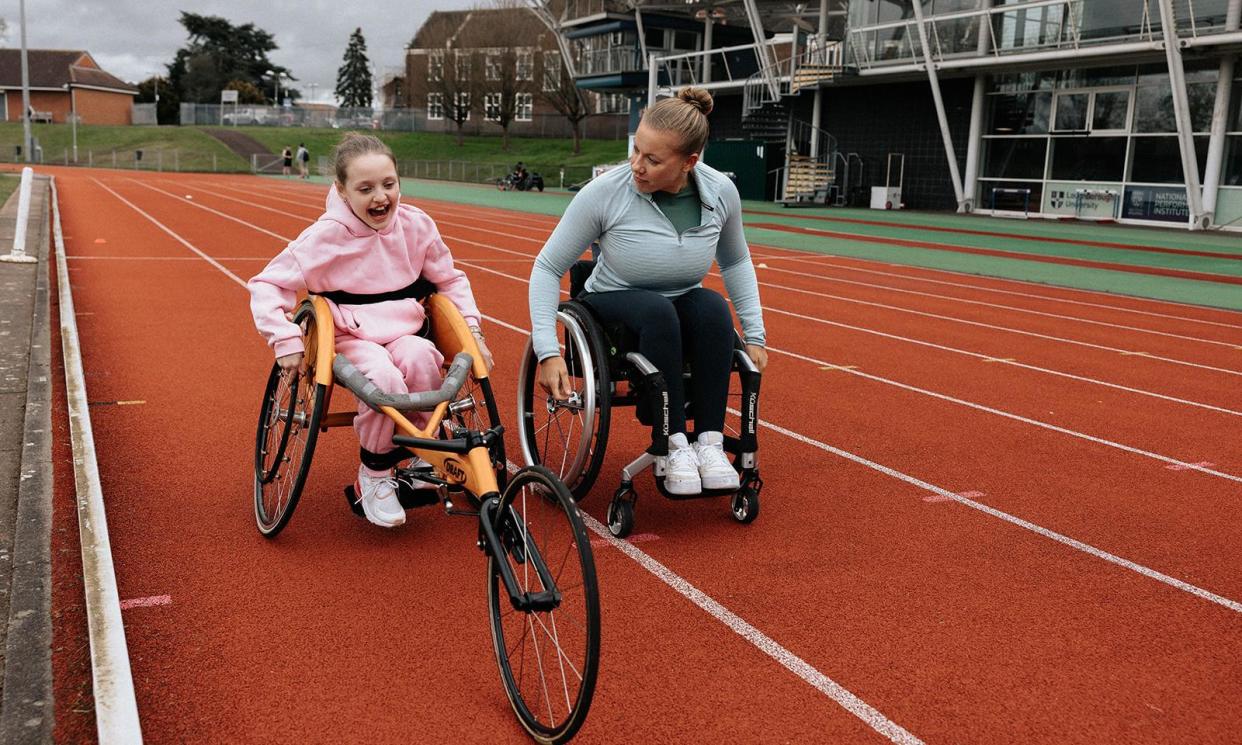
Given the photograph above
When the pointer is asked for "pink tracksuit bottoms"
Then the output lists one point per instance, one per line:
(404, 365)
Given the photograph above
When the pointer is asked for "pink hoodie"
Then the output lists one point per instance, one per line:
(341, 252)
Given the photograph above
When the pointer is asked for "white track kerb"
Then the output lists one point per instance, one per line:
(116, 709)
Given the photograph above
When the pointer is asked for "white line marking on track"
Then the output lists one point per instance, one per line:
(1225, 602)
(149, 602)
(765, 643)
(178, 238)
(787, 659)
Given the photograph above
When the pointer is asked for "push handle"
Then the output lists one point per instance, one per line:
(370, 394)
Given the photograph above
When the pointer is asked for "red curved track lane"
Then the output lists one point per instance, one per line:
(954, 624)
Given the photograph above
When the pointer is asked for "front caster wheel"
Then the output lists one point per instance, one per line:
(745, 505)
(621, 513)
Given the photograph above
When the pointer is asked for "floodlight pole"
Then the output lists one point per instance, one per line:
(26, 90)
(73, 118)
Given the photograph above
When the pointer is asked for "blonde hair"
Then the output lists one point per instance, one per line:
(686, 114)
(351, 146)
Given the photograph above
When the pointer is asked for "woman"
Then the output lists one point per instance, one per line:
(660, 223)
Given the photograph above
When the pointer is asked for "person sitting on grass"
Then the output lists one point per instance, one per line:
(367, 243)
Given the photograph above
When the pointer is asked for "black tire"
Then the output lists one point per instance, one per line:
(577, 460)
(620, 517)
(745, 505)
(293, 405)
(551, 701)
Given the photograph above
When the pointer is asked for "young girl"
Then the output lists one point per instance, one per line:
(367, 243)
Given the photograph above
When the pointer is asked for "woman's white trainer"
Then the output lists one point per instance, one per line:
(715, 470)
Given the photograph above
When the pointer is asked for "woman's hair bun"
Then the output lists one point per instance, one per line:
(698, 98)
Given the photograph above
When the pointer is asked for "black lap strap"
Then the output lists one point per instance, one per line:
(418, 290)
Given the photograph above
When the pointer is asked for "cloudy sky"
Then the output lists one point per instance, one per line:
(134, 39)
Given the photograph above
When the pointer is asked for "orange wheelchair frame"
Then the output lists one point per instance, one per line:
(542, 590)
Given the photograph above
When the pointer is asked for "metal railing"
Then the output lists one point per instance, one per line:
(811, 156)
(1033, 26)
(757, 92)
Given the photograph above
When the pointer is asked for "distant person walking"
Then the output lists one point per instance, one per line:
(303, 157)
(286, 162)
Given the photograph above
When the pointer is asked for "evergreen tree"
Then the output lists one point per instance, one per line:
(219, 52)
(353, 79)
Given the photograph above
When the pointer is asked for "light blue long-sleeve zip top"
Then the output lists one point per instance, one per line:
(640, 249)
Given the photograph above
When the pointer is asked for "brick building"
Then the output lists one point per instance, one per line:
(63, 81)
(488, 45)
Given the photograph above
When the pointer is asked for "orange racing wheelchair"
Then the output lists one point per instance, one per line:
(543, 598)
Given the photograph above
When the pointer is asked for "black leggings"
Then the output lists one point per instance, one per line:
(697, 324)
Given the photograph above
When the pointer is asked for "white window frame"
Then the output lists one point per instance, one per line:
(435, 106)
(458, 97)
(525, 107)
(435, 65)
(525, 64)
(551, 71)
(491, 107)
(492, 64)
(462, 63)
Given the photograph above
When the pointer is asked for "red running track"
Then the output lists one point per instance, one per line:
(953, 623)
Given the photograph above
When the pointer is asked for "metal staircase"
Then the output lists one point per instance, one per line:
(810, 160)
(810, 152)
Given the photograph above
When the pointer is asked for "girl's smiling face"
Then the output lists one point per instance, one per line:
(371, 189)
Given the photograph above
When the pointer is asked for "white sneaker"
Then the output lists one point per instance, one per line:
(715, 470)
(378, 495)
(681, 470)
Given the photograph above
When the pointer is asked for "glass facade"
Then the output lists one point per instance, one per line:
(1107, 133)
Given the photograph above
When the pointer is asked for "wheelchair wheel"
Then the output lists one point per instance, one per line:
(568, 437)
(293, 406)
(548, 658)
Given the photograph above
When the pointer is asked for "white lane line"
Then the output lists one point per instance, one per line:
(1013, 308)
(963, 498)
(116, 706)
(953, 299)
(162, 258)
(969, 404)
(178, 238)
(811, 260)
(766, 644)
(769, 646)
(181, 198)
(1018, 418)
(1199, 592)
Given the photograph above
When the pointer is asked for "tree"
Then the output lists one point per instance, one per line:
(353, 79)
(218, 52)
(168, 110)
(508, 73)
(246, 92)
(456, 87)
(560, 92)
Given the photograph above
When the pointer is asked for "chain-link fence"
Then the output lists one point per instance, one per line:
(144, 159)
(597, 127)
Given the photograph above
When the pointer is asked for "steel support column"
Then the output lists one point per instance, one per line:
(977, 103)
(1181, 111)
(935, 86)
(1220, 115)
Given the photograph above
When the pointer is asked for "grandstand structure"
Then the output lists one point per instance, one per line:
(1121, 110)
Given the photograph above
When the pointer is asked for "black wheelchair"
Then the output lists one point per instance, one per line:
(569, 437)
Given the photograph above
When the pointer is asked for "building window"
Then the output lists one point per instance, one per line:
(435, 66)
(491, 107)
(525, 65)
(493, 65)
(435, 106)
(461, 102)
(612, 103)
(1072, 112)
(551, 71)
(525, 107)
